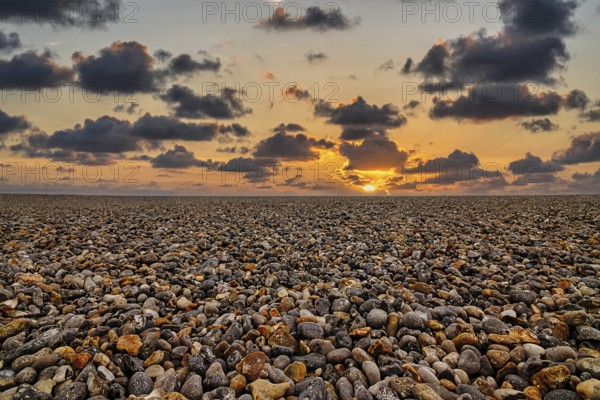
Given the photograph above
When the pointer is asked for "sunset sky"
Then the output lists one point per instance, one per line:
(352, 97)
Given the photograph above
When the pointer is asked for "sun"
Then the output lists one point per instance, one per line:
(369, 188)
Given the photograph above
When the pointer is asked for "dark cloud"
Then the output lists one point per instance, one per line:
(586, 176)
(387, 66)
(186, 104)
(76, 157)
(457, 159)
(398, 182)
(64, 13)
(122, 67)
(297, 147)
(577, 99)
(592, 115)
(40, 144)
(238, 131)
(295, 93)
(131, 109)
(406, 68)
(374, 153)
(233, 150)
(434, 62)
(33, 71)
(539, 125)
(583, 149)
(163, 55)
(314, 58)
(585, 182)
(539, 17)
(313, 18)
(356, 180)
(533, 165)
(184, 64)
(10, 42)
(289, 128)
(104, 135)
(177, 158)
(159, 128)
(12, 124)
(360, 113)
(108, 136)
(501, 101)
(358, 133)
(480, 57)
(250, 169)
(411, 105)
(529, 47)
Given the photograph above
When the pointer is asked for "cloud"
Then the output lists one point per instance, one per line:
(12, 124)
(583, 149)
(177, 158)
(592, 115)
(577, 99)
(480, 57)
(433, 64)
(186, 104)
(585, 182)
(539, 125)
(539, 17)
(104, 135)
(63, 13)
(313, 18)
(532, 164)
(238, 131)
(361, 114)
(233, 150)
(295, 93)
(533, 170)
(250, 169)
(162, 55)
(458, 167)
(33, 71)
(498, 102)
(314, 57)
(297, 147)
(291, 127)
(585, 176)
(131, 109)
(122, 67)
(10, 42)
(386, 66)
(358, 133)
(185, 65)
(529, 47)
(268, 75)
(457, 158)
(406, 68)
(160, 128)
(108, 137)
(411, 105)
(374, 153)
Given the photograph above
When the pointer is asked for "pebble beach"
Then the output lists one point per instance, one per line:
(428, 298)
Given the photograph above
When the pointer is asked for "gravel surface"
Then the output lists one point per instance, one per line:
(467, 298)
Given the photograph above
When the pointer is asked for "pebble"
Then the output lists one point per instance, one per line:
(342, 299)
(377, 318)
(140, 384)
(589, 389)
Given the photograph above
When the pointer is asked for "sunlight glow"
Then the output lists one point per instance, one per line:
(369, 188)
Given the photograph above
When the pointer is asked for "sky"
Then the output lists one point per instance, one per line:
(351, 97)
